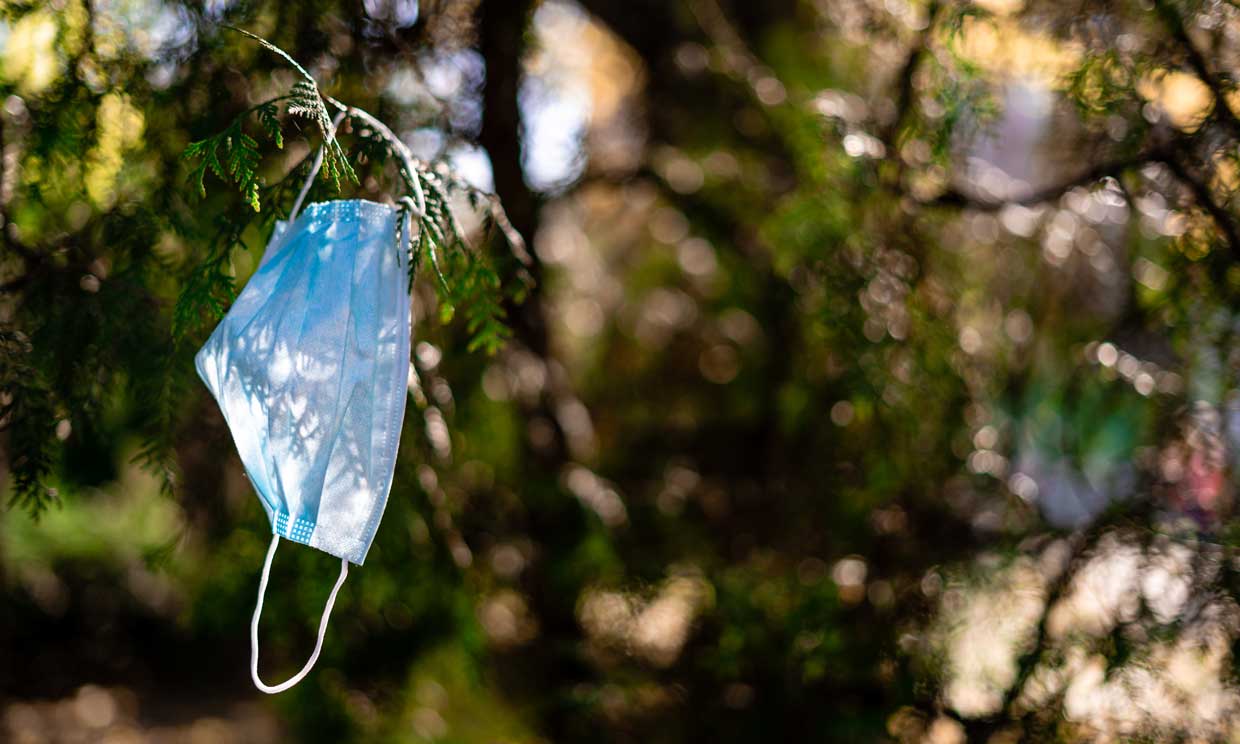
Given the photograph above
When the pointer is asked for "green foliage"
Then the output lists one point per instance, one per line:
(207, 292)
(1101, 83)
(966, 97)
(477, 288)
(269, 117)
(232, 155)
(305, 101)
(28, 417)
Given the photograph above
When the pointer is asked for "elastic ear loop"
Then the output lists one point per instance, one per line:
(314, 171)
(411, 211)
(258, 611)
(412, 214)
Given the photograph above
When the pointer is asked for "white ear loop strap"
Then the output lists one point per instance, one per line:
(314, 171)
(402, 150)
(258, 610)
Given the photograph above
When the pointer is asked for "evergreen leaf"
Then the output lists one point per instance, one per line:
(269, 118)
(28, 415)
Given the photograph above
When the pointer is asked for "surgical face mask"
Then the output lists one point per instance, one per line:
(310, 368)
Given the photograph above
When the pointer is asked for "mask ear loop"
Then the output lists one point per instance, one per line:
(414, 211)
(314, 171)
(402, 151)
(258, 611)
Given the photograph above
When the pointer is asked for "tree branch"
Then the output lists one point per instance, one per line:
(1081, 543)
(954, 197)
(1223, 219)
(904, 81)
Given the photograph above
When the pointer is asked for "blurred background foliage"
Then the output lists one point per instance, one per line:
(876, 381)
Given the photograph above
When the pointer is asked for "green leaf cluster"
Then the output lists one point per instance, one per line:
(232, 155)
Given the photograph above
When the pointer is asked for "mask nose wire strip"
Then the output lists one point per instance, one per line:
(314, 171)
(258, 611)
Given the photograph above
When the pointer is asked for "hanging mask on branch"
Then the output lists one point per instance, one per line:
(310, 368)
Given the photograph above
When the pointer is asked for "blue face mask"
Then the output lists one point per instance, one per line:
(310, 368)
